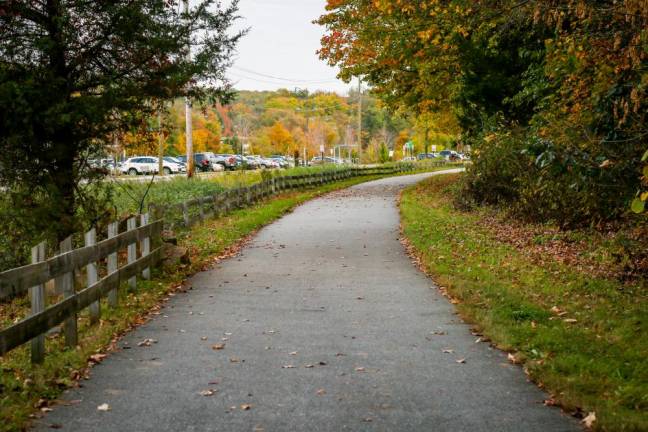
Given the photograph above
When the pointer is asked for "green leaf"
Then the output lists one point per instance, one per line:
(644, 157)
(638, 205)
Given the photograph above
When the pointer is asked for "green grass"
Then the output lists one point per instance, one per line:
(23, 385)
(597, 363)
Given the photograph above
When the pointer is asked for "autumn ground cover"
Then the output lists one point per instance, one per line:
(560, 302)
(26, 391)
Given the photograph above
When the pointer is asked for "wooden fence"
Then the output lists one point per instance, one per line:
(143, 251)
(188, 213)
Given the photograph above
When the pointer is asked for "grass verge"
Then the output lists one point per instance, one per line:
(579, 336)
(26, 391)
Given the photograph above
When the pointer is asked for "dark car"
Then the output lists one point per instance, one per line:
(422, 156)
(450, 155)
(201, 162)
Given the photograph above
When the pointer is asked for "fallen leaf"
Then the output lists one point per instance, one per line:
(208, 392)
(147, 342)
(360, 369)
(293, 353)
(321, 392)
(570, 320)
(461, 360)
(589, 420)
(97, 358)
(217, 347)
(367, 419)
(288, 367)
(448, 350)
(512, 358)
(103, 407)
(234, 360)
(203, 338)
(46, 409)
(246, 407)
(359, 298)
(323, 363)
(308, 366)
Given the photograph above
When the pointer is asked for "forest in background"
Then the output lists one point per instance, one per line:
(289, 121)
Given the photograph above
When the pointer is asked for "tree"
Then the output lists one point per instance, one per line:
(554, 89)
(73, 73)
(280, 139)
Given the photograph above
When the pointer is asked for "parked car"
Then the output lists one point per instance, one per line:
(317, 160)
(281, 160)
(204, 162)
(171, 166)
(139, 165)
(422, 156)
(268, 163)
(252, 162)
(449, 155)
(227, 161)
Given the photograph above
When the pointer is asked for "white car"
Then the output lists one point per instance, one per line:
(171, 165)
(139, 165)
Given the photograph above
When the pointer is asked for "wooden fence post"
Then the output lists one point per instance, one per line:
(92, 277)
(131, 224)
(185, 213)
(145, 246)
(112, 264)
(37, 296)
(216, 204)
(65, 285)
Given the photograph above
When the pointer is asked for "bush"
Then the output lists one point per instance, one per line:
(542, 181)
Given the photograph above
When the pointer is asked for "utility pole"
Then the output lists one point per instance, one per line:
(188, 125)
(308, 137)
(359, 119)
(427, 130)
(160, 145)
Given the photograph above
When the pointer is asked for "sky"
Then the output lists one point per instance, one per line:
(280, 49)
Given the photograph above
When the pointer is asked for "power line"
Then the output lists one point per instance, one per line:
(306, 81)
(279, 83)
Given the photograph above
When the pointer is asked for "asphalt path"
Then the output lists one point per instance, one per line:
(326, 325)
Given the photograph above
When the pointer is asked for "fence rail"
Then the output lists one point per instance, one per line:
(147, 239)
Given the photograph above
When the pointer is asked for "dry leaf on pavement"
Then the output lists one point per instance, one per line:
(147, 342)
(217, 347)
(103, 407)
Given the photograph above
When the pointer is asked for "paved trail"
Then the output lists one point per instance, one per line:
(329, 290)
